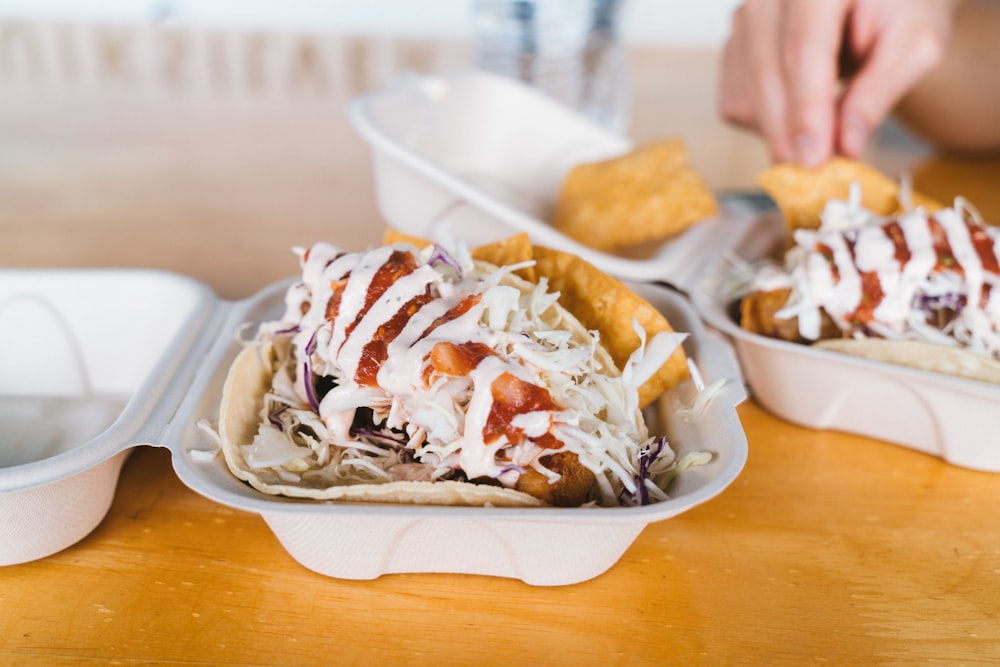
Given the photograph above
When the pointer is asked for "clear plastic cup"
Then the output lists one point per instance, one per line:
(570, 49)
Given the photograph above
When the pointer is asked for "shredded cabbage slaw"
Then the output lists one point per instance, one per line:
(916, 275)
(323, 424)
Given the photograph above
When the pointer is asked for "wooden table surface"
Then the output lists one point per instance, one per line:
(210, 154)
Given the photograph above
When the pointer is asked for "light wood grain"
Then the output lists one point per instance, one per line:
(829, 548)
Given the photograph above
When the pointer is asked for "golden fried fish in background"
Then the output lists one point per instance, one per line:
(391, 236)
(801, 193)
(648, 194)
(758, 312)
(759, 315)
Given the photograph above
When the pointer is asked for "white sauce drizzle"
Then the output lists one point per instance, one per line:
(443, 419)
(861, 244)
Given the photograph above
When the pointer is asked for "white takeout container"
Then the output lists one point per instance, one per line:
(161, 345)
(119, 348)
(487, 155)
(951, 418)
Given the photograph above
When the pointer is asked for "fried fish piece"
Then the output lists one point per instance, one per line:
(572, 487)
(648, 194)
(758, 314)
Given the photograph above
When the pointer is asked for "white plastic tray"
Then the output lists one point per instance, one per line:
(90, 361)
(162, 344)
(950, 418)
(487, 155)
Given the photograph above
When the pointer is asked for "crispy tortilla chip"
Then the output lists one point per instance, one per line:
(802, 193)
(649, 194)
(507, 252)
(395, 236)
(603, 303)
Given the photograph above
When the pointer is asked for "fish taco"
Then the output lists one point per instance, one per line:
(905, 281)
(421, 375)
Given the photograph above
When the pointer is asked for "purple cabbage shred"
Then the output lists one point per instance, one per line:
(307, 380)
(275, 418)
(311, 345)
(951, 301)
(647, 455)
(384, 437)
(439, 254)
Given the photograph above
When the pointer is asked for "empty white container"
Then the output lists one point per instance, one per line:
(152, 349)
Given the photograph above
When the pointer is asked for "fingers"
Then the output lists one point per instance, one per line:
(779, 75)
(751, 93)
(898, 55)
(767, 91)
(735, 102)
(810, 39)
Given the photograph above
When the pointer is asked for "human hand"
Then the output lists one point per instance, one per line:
(816, 77)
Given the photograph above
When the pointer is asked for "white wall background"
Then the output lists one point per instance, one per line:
(696, 23)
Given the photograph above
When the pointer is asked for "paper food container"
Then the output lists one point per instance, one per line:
(951, 418)
(487, 155)
(91, 362)
(96, 362)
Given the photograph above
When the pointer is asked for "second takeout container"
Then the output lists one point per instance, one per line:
(144, 355)
(487, 155)
(951, 418)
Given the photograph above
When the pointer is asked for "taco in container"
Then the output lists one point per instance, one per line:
(423, 376)
(914, 284)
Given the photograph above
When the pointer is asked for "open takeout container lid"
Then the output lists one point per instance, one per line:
(152, 349)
